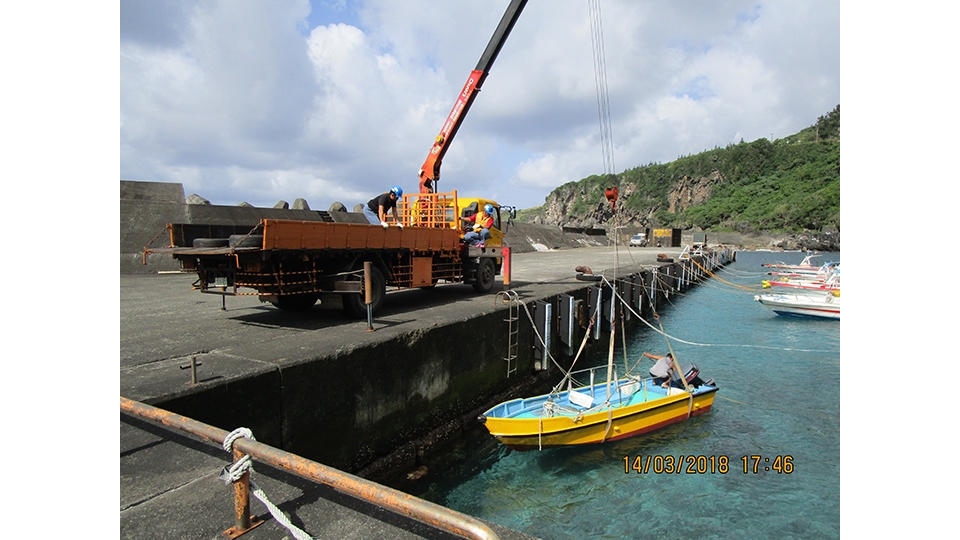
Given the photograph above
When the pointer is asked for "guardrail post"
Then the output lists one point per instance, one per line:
(507, 264)
(368, 294)
(241, 503)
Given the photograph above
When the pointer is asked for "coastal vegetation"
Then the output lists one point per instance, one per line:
(790, 184)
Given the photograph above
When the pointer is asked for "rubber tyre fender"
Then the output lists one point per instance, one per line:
(243, 240)
(486, 275)
(210, 242)
(354, 303)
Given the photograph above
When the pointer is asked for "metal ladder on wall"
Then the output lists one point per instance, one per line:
(513, 328)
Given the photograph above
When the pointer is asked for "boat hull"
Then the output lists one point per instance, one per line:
(647, 412)
(802, 306)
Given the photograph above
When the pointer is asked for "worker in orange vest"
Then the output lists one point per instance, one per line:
(482, 221)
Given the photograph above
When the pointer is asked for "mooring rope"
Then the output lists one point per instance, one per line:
(233, 472)
(713, 275)
(694, 343)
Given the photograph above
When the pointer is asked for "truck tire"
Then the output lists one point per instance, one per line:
(354, 303)
(296, 302)
(486, 274)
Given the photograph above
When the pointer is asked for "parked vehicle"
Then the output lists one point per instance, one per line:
(638, 240)
(294, 264)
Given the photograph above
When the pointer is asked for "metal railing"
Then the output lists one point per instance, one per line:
(383, 496)
(431, 210)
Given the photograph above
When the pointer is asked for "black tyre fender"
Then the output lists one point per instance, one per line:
(210, 242)
(243, 240)
(355, 303)
(589, 277)
(486, 275)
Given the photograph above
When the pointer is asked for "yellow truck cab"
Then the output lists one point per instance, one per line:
(468, 206)
(447, 210)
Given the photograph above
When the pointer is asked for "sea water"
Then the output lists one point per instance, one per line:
(763, 463)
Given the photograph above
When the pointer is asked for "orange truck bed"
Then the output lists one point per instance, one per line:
(283, 234)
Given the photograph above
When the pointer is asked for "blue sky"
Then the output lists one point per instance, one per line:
(337, 101)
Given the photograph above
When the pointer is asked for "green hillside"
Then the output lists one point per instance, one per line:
(790, 184)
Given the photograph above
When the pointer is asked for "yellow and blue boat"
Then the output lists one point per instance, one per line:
(598, 412)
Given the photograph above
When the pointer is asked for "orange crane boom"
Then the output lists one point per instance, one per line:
(430, 171)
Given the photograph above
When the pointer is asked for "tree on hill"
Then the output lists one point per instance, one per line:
(791, 184)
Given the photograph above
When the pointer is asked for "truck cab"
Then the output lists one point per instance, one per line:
(447, 210)
(469, 206)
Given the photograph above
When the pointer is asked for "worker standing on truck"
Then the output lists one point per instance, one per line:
(376, 208)
(482, 221)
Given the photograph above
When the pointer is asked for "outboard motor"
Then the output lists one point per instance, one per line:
(692, 374)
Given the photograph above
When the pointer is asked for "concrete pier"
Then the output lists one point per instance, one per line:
(317, 384)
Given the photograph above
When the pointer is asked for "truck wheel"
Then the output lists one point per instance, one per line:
(486, 274)
(354, 303)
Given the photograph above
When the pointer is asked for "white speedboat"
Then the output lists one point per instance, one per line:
(826, 306)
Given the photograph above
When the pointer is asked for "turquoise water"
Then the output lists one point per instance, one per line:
(779, 395)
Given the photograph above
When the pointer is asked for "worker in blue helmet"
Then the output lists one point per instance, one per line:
(376, 208)
(482, 221)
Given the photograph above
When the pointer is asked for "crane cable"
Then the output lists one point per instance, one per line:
(603, 99)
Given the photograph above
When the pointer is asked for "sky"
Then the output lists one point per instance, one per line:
(259, 102)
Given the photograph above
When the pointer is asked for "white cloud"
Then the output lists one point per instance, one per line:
(240, 102)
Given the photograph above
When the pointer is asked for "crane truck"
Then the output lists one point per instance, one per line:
(296, 264)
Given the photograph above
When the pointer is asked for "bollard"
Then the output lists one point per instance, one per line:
(193, 369)
(367, 298)
(507, 262)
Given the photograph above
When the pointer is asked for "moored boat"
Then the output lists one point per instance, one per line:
(584, 414)
(832, 282)
(805, 264)
(591, 412)
(821, 306)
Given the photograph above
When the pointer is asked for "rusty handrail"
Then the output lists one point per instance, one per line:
(402, 503)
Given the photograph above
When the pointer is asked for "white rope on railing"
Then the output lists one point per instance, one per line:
(234, 471)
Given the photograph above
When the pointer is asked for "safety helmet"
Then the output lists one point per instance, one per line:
(488, 209)
(397, 190)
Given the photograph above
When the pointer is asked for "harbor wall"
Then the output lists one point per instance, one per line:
(374, 409)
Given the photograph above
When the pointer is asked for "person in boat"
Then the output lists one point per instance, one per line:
(662, 371)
